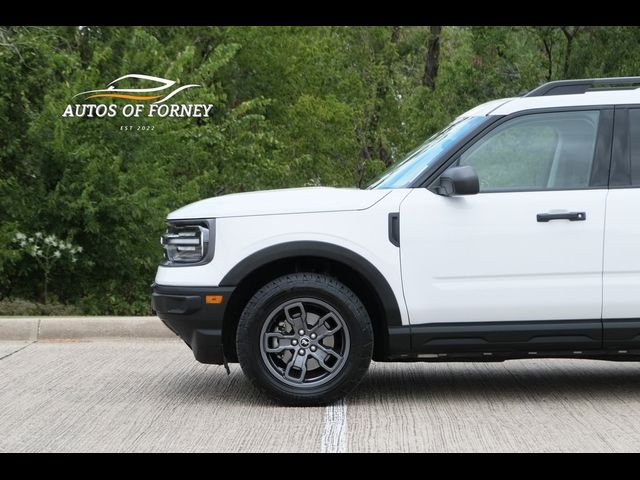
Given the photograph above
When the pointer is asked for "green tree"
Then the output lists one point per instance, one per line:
(293, 106)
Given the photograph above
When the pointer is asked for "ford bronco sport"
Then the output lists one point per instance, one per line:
(512, 233)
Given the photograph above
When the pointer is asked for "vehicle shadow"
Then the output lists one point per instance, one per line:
(513, 380)
(209, 385)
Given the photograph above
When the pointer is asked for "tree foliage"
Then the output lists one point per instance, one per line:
(293, 106)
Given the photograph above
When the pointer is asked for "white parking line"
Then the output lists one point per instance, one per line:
(334, 438)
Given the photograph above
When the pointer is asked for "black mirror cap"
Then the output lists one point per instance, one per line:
(459, 181)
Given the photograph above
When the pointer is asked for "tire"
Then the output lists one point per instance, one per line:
(316, 364)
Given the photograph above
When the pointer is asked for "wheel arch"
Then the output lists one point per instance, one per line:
(352, 269)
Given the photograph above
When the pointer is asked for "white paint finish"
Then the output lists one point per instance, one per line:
(610, 97)
(486, 108)
(506, 106)
(364, 232)
(485, 257)
(284, 201)
(621, 288)
(476, 258)
(335, 435)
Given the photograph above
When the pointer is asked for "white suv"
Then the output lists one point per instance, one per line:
(512, 233)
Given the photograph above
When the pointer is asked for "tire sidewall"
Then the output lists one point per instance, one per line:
(252, 322)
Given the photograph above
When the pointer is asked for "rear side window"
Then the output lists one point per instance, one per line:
(634, 146)
(625, 167)
(543, 151)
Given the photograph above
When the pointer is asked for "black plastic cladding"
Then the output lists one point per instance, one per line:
(321, 250)
(613, 339)
(394, 228)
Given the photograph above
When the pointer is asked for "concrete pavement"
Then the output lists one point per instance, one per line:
(81, 328)
(151, 395)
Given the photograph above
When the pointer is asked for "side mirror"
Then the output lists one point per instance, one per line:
(459, 181)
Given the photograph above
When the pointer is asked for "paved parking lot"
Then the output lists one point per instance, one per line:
(152, 396)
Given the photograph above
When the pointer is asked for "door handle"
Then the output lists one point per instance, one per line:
(571, 216)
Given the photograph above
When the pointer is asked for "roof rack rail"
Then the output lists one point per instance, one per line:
(570, 87)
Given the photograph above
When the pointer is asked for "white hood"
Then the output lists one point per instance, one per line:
(272, 202)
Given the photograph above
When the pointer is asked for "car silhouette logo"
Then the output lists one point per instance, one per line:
(133, 93)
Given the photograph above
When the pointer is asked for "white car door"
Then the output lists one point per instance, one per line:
(527, 250)
(621, 278)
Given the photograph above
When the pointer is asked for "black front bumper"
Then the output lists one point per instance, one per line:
(185, 311)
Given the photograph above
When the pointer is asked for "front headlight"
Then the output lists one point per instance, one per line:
(188, 242)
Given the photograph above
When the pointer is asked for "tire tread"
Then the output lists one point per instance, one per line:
(291, 282)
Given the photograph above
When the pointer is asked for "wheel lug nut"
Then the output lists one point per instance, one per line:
(313, 335)
(301, 332)
(294, 342)
(313, 348)
(301, 351)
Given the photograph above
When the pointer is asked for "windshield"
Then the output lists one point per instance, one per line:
(402, 173)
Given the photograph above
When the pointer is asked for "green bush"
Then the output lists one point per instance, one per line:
(22, 307)
(293, 106)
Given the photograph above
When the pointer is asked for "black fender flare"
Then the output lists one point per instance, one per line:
(327, 251)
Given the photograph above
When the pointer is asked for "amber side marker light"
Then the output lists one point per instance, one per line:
(214, 299)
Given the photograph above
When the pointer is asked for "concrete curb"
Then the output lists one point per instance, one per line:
(82, 328)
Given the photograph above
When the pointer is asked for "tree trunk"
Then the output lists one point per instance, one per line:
(364, 156)
(570, 35)
(395, 34)
(46, 287)
(432, 58)
(548, 49)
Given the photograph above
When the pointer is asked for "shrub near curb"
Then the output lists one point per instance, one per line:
(21, 307)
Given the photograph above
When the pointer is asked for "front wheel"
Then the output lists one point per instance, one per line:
(305, 339)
